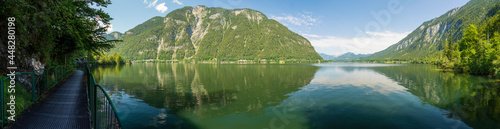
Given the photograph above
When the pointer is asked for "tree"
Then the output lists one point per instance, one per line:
(55, 30)
(467, 46)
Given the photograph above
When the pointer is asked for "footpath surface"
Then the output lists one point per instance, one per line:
(64, 108)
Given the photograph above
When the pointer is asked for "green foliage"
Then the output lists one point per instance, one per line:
(429, 38)
(56, 31)
(112, 59)
(213, 34)
(477, 55)
(113, 35)
(467, 47)
(23, 97)
(457, 43)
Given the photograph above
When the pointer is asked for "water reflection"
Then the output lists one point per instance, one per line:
(203, 91)
(350, 96)
(300, 96)
(472, 99)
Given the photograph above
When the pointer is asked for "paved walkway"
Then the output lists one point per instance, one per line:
(64, 108)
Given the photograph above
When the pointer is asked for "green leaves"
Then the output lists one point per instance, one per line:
(56, 29)
(477, 55)
(423, 42)
(112, 59)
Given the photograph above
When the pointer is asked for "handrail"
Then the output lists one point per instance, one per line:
(40, 85)
(109, 98)
(108, 113)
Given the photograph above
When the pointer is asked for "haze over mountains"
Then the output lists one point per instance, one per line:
(344, 57)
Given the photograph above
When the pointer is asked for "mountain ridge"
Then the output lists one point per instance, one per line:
(113, 35)
(427, 39)
(203, 33)
(349, 56)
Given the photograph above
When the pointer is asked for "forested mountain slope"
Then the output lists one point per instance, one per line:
(202, 33)
(428, 39)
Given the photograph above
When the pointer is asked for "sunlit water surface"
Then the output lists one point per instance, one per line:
(335, 95)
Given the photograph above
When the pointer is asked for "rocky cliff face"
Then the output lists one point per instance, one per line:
(428, 38)
(432, 32)
(204, 33)
(113, 35)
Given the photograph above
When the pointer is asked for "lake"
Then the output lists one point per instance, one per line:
(270, 96)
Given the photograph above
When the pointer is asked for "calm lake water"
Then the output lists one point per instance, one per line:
(336, 95)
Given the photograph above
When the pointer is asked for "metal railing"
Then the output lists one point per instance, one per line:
(27, 88)
(103, 110)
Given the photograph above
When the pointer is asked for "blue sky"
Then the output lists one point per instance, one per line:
(333, 26)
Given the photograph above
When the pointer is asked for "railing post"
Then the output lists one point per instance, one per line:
(59, 74)
(88, 85)
(3, 104)
(94, 105)
(92, 96)
(33, 86)
(47, 79)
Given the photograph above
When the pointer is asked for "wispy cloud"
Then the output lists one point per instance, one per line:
(177, 2)
(312, 36)
(161, 7)
(373, 42)
(151, 4)
(300, 19)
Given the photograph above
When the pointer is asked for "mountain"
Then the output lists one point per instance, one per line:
(344, 57)
(429, 37)
(202, 33)
(350, 56)
(327, 57)
(113, 35)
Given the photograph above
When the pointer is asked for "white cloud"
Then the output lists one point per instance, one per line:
(300, 19)
(177, 2)
(373, 42)
(151, 4)
(161, 7)
(109, 28)
(311, 35)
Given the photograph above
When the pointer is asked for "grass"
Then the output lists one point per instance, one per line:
(22, 98)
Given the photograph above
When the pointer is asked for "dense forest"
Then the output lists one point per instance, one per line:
(478, 52)
(55, 32)
(112, 59)
(424, 44)
(464, 39)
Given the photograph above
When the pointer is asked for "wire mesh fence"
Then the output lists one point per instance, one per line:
(22, 89)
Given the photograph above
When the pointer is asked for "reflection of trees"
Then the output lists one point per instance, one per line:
(472, 99)
(210, 90)
(100, 71)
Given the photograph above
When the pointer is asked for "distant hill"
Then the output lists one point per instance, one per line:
(428, 39)
(344, 57)
(113, 35)
(327, 57)
(203, 33)
(350, 56)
